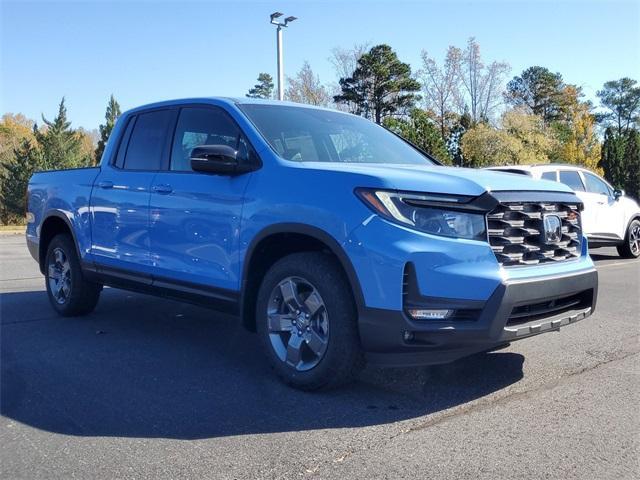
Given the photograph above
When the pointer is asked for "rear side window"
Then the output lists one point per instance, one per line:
(202, 126)
(550, 176)
(595, 185)
(122, 148)
(147, 141)
(571, 179)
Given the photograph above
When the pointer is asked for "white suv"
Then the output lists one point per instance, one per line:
(609, 218)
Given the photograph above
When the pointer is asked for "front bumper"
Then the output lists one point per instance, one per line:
(517, 309)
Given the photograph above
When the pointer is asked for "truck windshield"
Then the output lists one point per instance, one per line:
(311, 135)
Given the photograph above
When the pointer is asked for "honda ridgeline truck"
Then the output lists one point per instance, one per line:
(334, 239)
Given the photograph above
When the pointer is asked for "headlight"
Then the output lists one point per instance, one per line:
(435, 214)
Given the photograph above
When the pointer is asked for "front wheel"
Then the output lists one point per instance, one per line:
(631, 246)
(69, 292)
(307, 322)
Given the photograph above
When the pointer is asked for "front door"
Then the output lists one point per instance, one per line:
(610, 214)
(120, 198)
(195, 217)
(590, 213)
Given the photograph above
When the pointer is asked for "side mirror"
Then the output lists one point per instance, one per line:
(618, 193)
(220, 159)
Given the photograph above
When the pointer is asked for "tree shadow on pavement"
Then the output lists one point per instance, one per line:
(145, 367)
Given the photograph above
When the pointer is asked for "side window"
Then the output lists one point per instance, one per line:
(571, 178)
(553, 175)
(147, 141)
(122, 148)
(595, 185)
(202, 126)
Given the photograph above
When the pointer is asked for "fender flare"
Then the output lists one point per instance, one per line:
(314, 232)
(62, 216)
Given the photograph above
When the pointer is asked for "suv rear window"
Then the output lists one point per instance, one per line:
(571, 179)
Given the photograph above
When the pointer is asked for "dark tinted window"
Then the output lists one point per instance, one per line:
(550, 176)
(595, 185)
(571, 179)
(202, 126)
(147, 141)
(122, 148)
(313, 135)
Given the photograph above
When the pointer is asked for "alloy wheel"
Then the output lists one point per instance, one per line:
(634, 239)
(59, 276)
(298, 323)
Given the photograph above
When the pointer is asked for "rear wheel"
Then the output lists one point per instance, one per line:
(69, 292)
(307, 322)
(631, 246)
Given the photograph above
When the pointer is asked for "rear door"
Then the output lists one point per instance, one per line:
(195, 217)
(120, 198)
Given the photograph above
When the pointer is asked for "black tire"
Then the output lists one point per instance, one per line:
(82, 295)
(342, 358)
(631, 246)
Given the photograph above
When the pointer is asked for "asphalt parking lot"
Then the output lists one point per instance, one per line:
(148, 388)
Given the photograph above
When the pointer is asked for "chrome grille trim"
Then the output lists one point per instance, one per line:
(515, 232)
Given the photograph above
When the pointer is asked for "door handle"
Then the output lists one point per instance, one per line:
(105, 184)
(162, 188)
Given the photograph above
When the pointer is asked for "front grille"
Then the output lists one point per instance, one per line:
(516, 233)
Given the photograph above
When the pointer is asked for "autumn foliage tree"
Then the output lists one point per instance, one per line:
(521, 139)
(54, 145)
(577, 141)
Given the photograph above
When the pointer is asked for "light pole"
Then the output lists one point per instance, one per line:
(274, 21)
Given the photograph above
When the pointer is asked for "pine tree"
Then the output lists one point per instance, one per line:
(264, 87)
(420, 130)
(381, 85)
(454, 140)
(612, 159)
(111, 115)
(632, 164)
(61, 146)
(13, 184)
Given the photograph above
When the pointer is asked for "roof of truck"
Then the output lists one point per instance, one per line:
(225, 100)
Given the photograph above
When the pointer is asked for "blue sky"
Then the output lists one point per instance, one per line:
(143, 51)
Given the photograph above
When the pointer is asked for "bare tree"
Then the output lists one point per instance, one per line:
(345, 61)
(440, 85)
(306, 87)
(481, 83)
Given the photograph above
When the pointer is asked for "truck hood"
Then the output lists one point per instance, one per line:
(438, 179)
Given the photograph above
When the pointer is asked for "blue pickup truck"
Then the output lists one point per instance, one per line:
(337, 241)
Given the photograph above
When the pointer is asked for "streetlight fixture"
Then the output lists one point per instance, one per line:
(274, 21)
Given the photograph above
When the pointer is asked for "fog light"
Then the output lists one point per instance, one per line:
(429, 314)
(407, 335)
